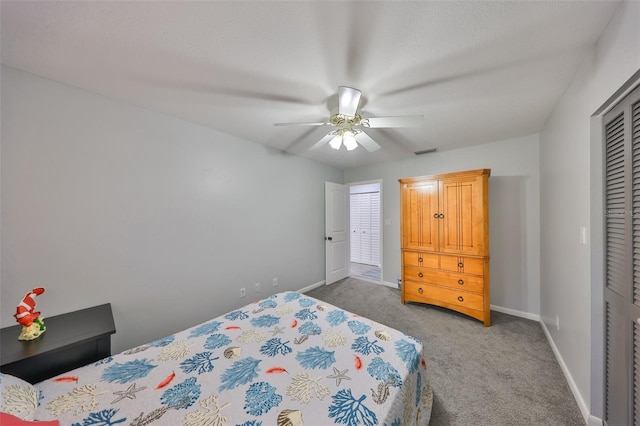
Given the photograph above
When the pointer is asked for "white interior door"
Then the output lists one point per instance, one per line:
(336, 231)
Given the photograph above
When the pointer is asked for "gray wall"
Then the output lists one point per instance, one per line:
(513, 206)
(108, 202)
(571, 183)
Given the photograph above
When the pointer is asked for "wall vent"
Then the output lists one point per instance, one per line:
(426, 151)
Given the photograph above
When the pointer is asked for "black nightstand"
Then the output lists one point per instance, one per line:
(71, 341)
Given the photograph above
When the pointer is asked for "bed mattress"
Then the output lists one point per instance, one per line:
(288, 359)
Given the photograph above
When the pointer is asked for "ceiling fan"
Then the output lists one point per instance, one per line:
(349, 124)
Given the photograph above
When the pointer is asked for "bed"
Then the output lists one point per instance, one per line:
(288, 359)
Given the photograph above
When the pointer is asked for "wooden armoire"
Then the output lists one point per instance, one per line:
(445, 241)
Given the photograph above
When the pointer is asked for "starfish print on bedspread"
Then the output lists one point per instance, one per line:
(277, 330)
(339, 375)
(129, 393)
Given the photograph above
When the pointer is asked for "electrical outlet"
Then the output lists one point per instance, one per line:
(257, 287)
(275, 281)
(243, 292)
(557, 323)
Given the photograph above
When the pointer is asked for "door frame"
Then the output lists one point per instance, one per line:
(597, 253)
(381, 221)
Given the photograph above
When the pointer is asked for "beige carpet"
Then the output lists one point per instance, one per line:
(505, 374)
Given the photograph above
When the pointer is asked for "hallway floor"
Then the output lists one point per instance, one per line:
(367, 272)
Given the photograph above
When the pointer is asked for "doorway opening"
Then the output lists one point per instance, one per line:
(365, 231)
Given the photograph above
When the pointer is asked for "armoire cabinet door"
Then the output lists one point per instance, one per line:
(420, 216)
(446, 216)
(462, 205)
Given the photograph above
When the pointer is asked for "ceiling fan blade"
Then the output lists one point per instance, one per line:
(348, 101)
(321, 142)
(302, 124)
(402, 121)
(366, 142)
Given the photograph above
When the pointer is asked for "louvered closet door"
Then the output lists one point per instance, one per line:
(355, 227)
(374, 228)
(365, 228)
(635, 221)
(622, 262)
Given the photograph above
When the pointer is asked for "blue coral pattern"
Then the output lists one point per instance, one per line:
(287, 359)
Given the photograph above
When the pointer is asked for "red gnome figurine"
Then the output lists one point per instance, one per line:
(32, 325)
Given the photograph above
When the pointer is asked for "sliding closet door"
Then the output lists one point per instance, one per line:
(622, 262)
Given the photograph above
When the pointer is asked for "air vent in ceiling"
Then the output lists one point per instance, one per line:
(426, 151)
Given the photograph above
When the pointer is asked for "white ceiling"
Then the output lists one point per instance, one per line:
(478, 71)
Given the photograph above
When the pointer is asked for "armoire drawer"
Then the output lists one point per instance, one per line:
(446, 279)
(464, 265)
(446, 295)
(425, 260)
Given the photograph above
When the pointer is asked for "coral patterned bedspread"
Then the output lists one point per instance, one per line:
(286, 360)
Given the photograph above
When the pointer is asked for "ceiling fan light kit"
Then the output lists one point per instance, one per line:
(350, 123)
(336, 142)
(349, 141)
(346, 138)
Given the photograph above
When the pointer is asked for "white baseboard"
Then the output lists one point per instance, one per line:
(588, 418)
(321, 283)
(388, 284)
(516, 313)
(594, 421)
(312, 286)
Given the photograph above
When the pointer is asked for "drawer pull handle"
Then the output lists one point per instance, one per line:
(435, 215)
(461, 299)
(460, 265)
(420, 259)
(420, 274)
(440, 216)
(420, 290)
(460, 282)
